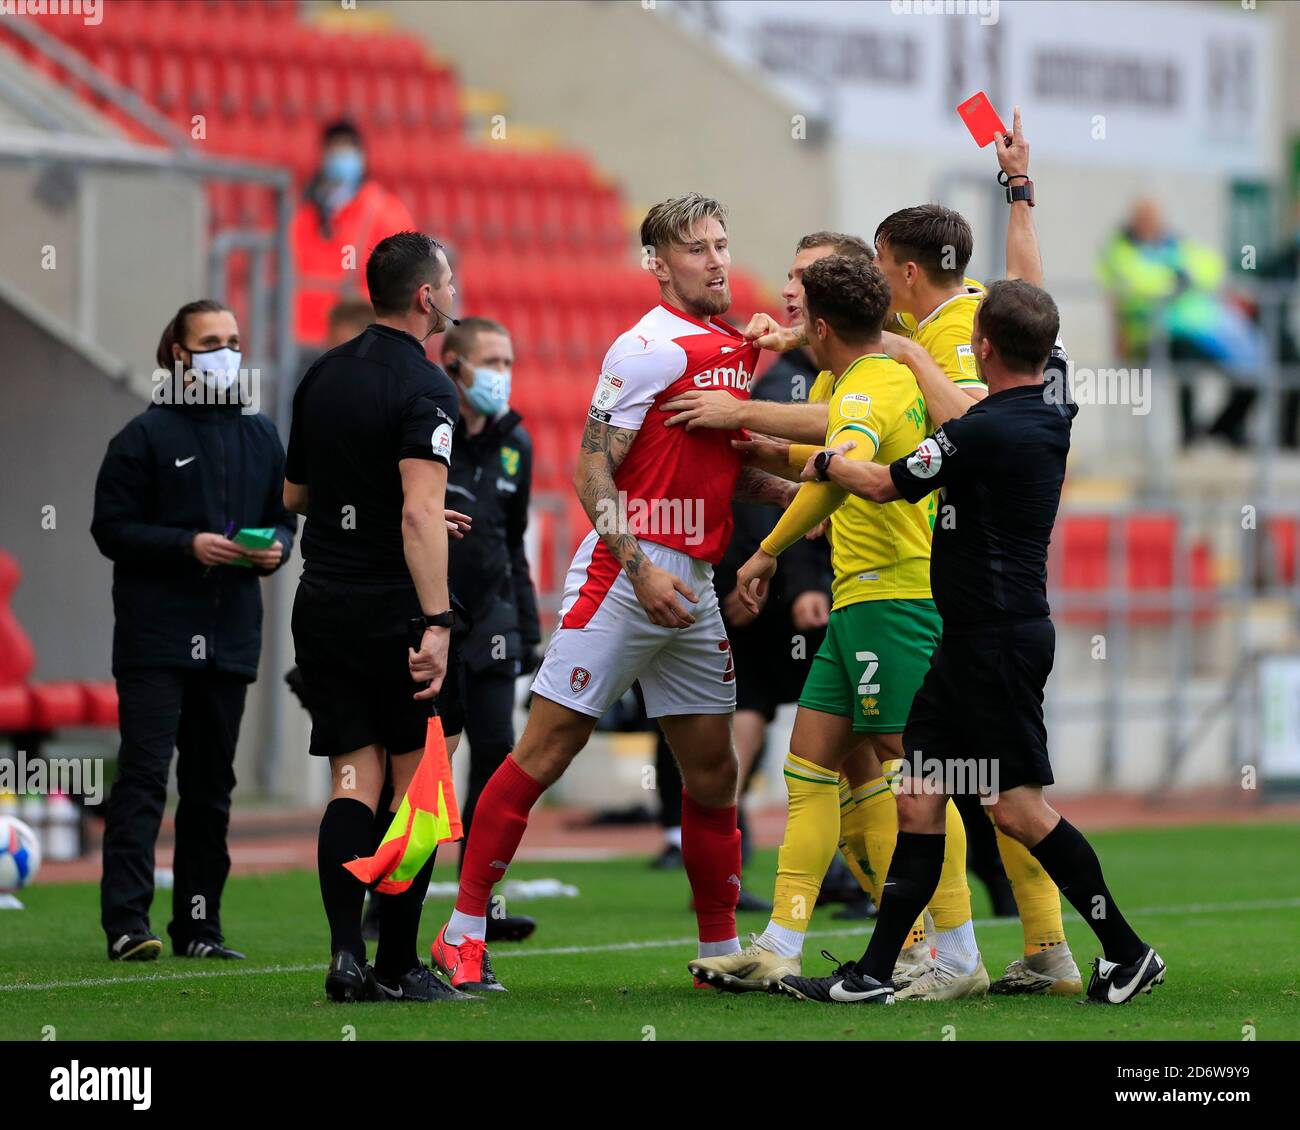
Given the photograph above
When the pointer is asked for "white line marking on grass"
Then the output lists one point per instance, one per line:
(610, 947)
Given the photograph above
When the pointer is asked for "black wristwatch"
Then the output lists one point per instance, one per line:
(442, 620)
(1016, 192)
(822, 461)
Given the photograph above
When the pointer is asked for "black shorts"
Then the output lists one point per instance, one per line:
(982, 699)
(351, 644)
(767, 673)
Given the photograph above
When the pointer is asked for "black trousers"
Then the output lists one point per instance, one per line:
(196, 713)
(489, 698)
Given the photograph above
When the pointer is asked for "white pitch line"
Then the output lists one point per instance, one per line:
(611, 947)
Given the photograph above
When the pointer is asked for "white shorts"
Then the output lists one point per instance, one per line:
(605, 641)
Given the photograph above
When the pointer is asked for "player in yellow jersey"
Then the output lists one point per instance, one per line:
(923, 252)
(883, 625)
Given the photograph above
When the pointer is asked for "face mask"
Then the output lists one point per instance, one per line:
(490, 392)
(345, 167)
(218, 367)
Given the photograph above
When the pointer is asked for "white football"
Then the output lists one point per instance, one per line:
(20, 855)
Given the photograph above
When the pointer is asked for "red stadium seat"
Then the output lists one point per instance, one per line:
(15, 709)
(56, 706)
(100, 704)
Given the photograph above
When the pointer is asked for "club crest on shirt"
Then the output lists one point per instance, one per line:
(926, 460)
(510, 461)
(578, 679)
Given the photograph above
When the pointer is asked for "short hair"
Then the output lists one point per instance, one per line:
(1021, 321)
(351, 311)
(344, 129)
(935, 237)
(849, 293)
(174, 331)
(462, 338)
(398, 266)
(840, 244)
(673, 220)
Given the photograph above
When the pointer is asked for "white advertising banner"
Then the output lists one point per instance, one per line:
(1103, 81)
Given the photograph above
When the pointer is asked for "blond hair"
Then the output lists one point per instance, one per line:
(674, 220)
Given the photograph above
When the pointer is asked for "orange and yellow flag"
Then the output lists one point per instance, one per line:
(428, 816)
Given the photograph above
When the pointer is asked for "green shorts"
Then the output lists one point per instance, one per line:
(873, 659)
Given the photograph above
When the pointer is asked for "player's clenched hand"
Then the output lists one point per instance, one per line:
(458, 524)
(753, 578)
(809, 472)
(767, 333)
(1013, 151)
(896, 347)
(811, 610)
(429, 664)
(700, 409)
(734, 611)
(657, 591)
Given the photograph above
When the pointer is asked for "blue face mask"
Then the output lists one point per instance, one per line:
(345, 167)
(490, 392)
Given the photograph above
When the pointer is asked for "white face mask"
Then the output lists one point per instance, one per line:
(218, 367)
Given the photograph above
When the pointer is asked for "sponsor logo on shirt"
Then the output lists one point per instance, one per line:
(855, 406)
(725, 376)
(442, 442)
(925, 461)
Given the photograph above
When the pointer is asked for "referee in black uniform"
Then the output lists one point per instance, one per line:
(979, 711)
(369, 449)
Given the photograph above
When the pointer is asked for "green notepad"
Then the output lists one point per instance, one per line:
(253, 539)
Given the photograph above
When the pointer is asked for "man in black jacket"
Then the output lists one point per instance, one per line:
(491, 481)
(176, 485)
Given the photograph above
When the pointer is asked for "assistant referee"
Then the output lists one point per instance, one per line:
(999, 468)
(369, 448)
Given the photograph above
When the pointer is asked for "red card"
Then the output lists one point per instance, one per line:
(980, 118)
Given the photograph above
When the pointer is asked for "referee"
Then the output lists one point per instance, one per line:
(369, 449)
(979, 711)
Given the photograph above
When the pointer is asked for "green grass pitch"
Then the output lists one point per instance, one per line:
(1221, 904)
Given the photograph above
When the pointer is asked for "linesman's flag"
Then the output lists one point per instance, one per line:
(428, 816)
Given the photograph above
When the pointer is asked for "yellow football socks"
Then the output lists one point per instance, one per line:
(1037, 899)
(811, 831)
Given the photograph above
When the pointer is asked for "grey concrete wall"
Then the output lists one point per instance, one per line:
(60, 411)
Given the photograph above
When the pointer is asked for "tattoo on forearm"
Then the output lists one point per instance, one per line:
(603, 449)
(758, 486)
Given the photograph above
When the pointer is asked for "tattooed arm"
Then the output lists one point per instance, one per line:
(603, 449)
(756, 485)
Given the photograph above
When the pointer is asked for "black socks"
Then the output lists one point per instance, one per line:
(1073, 866)
(399, 926)
(346, 832)
(909, 886)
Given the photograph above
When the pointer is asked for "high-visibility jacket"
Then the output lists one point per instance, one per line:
(332, 265)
